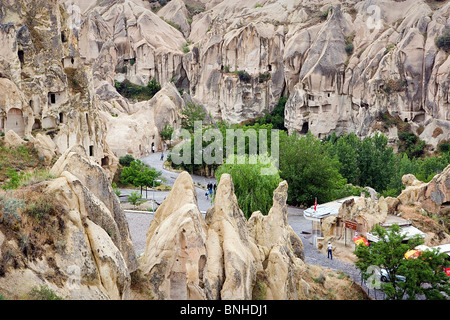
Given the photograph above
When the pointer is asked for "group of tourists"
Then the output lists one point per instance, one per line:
(211, 189)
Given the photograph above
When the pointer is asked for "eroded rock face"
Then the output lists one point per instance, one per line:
(45, 83)
(80, 245)
(433, 196)
(232, 259)
(175, 254)
(138, 125)
(281, 249)
(223, 256)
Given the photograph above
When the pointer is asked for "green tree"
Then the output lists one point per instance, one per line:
(139, 174)
(408, 278)
(167, 131)
(376, 162)
(346, 149)
(309, 169)
(191, 114)
(253, 190)
(276, 117)
(136, 199)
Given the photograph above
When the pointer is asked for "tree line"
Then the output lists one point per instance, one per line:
(326, 169)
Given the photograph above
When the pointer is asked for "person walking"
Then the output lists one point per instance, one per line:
(330, 251)
(162, 156)
(208, 186)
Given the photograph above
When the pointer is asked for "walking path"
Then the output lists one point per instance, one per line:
(139, 223)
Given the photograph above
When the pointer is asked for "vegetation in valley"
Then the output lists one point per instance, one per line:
(134, 91)
(326, 169)
(404, 278)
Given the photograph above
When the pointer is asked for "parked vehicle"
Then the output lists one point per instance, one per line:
(384, 276)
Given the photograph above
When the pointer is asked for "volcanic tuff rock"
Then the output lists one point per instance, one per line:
(223, 256)
(88, 253)
(433, 196)
(44, 82)
(342, 64)
(138, 125)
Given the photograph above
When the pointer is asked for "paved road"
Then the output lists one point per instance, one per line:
(139, 223)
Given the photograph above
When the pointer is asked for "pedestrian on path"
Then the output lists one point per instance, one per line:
(330, 251)
(162, 156)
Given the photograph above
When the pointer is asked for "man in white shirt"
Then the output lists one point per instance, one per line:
(330, 251)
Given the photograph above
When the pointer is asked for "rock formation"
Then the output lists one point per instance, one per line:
(69, 234)
(223, 256)
(344, 65)
(433, 196)
(45, 85)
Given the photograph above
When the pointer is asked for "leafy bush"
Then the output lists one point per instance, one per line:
(443, 41)
(133, 91)
(191, 114)
(167, 132)
(14, 180)
(11, 208)
(410, 144)
(244, 76)
(276, 117)
(126, 160)
(43, 293)
(349, 48)
(185, 48)
(40, 209)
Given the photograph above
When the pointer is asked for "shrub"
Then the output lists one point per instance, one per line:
(14, 180)
(244, 76)
(40, 209)
(167, 132)
(135, 198)
(185, 48)
(263, 77)
(443, 41)
(43, 293)
(133, 91)
(126, 160)
(349, 48)
(11, 207)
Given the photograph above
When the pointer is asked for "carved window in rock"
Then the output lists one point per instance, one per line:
(52, 98)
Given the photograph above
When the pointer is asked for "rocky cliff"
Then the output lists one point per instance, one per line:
(344, 65)
(45, 85)
(68, 234)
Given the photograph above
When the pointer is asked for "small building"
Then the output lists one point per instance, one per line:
(443, 248)
(323, 211)
(405, 225)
